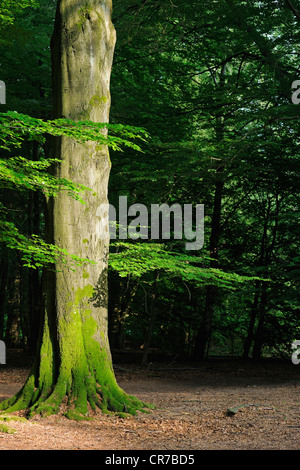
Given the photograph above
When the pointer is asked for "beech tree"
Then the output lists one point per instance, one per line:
(73, 362)
(213, 88)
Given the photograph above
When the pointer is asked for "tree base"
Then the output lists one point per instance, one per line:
(77, 393)
(82, 405)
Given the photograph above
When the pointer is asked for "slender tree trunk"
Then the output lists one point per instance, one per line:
(74, 360)
(260, 297)
(12, 329)
(259, 335)
(203, 336)
(124, 292)
(34, 281)
(250, 333)
(152, 320)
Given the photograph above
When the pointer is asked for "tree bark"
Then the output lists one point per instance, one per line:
(203, 336)
(259, 335)
(152, 320)
(119, 308)
(259, 305)
(74, 360)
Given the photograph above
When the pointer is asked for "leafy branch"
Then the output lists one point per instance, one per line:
(23, 174)
(139, 259)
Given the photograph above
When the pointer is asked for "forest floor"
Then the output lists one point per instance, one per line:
(192, 402)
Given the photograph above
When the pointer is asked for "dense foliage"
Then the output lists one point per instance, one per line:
(210, 84)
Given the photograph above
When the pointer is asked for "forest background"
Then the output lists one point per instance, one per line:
(211, 84)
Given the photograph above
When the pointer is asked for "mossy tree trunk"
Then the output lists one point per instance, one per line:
(73, 365)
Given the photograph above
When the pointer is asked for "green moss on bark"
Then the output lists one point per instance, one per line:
(84, 15)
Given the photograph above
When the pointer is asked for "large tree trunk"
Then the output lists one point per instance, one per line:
(74, 361)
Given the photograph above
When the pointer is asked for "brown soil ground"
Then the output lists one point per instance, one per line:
(191, 410)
